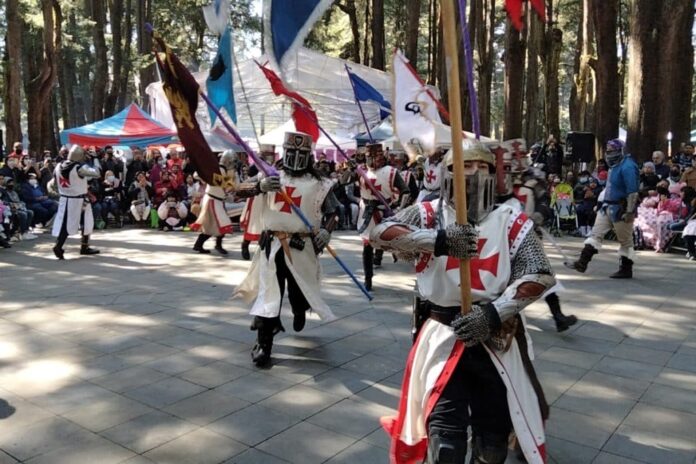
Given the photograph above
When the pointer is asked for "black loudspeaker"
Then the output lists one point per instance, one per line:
(580, 147)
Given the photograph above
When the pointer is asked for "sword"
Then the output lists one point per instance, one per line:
(566, 261)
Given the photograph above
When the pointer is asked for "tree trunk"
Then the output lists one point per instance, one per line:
(13, 76)
(147, 74)
(116, 16)
(582, 72)
(514, 85)
(366, 39)
(413, 9)
(435, 35)
(128, 39)
(553, 42)
(659, 74)
(349, 8)
(101, 64)
(378, 34)
(604, 15)
(44, 71)
(533, 107)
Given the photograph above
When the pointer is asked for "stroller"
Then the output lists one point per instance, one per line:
(563, 206)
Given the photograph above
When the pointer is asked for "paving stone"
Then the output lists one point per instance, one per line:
(254, 424)
(570, 357)
(381, 394)
(674, 398)
(651, 447)
(611, 409)
(103, 365)
(379, 438)
(178, 363)
(636, 353)
(663, 421)
(146, 352)
(164, 392)
(206, 407)
(578, 428)
(41, 437)
(129, 379)
(608, 458)
(102, 413)
(677, 379)
(95, 450)
(361, 452)
(373, 366)
(72, 396)
(298, 370)
(628, 369)
(339, 382)
(556, 378)
(198, 447)
(300, 401)
(600, 330)
(598, 383)
(149, 431)
(7, 459)
(563, 451)
(214, 374)
(352, 418)
(254, 456)
(17, 413)
(684, 362)
(254, 387)
(291, 443)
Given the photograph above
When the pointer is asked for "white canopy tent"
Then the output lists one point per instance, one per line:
(276, 137)
(319, 78)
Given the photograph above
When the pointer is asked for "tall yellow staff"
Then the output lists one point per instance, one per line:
(459, 183)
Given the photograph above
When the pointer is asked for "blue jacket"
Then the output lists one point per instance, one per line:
(624, 179)
(30, 194)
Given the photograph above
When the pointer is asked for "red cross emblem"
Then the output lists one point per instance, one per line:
(375, 185)
(285, 207)
(431, 176)
(499, 151)
(477, 265)
(64, 181)
(516, 147)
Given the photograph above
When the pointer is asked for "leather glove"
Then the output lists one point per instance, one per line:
(269, 184)
(320, 240)
(628, 217)
(477, 325)
(457, 240)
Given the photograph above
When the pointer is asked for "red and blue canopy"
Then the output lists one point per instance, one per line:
(130, 127)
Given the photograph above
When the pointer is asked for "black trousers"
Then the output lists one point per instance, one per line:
(298, 302)
(475, 396)
(63, 234)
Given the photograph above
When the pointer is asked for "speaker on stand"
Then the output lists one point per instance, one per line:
(580, 150)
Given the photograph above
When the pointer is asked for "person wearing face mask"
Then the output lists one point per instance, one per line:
(112, 189)
(24, 216)
(661, 169)
(12, 166)
(648, 178)
(111, 163)
(172, 213)
(138, 164)
(674, 176)
(689, 175)
(37, 201)
(159, 164)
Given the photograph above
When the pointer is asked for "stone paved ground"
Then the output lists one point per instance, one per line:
(139, 356)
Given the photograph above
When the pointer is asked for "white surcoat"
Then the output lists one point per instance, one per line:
(384, 181)
(73, 202)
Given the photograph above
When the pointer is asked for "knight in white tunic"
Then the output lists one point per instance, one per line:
(473, 369)
(213, 220)
(432, 175)
(250, 221)
(388, 183)
(287, 253)
(74, 208)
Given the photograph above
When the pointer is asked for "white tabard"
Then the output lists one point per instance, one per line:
(437, 351)
(73, 202)
(213, 219)
(383, 180)
(432, 178)
(261, 284)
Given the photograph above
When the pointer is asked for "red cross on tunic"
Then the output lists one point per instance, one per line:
(516, 147)
(64, 181)
(477, 265)
(376, 186)
(285, 207)
(431, 176)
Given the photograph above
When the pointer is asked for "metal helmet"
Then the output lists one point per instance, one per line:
(480, 187)
(375, 158)
(614, 152)
(77, 154)
(228, 159)
(298, 152)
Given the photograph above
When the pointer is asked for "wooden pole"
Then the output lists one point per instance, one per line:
(459, 183)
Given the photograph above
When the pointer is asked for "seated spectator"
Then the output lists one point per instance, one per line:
(175, 157)
(685, 157)
(675, 176)
(176, 176)
(12, 167)
(172, 213)
(655, 214)
(648, 178)
(138, 164)
(95, 195)
(163, 187)
(157, 165)
(112, 163)
(20, 213)
(586, 202)
(688, 197)
(661, 169)
(194, 194)
(689, 175)
(112, 190)
(46, 173)
(37, 201)
(140, 194)
(5, 222)
(689, 231)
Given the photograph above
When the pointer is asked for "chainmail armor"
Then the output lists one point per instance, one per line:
(410, 216)
(247, 189)
(461, 240)
(530, 259)
(477, 325)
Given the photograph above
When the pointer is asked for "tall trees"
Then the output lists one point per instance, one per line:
(413, 9)
(532, 96)
(116, 17)
(348, 7)
(378, 58)
(581, 96)
(660, 70)
(101, 65)
(514, 84)
(13, 77)
(553, 40)
(604, 15)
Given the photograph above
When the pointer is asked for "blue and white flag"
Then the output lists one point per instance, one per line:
(365, 92)
(219, 84)
(287, 25)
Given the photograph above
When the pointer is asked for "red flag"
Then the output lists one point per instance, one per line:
(302, 113)
(514, 9)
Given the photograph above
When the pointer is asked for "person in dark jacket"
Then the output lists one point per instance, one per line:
(36, 200)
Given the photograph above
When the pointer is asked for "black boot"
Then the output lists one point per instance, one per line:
(299, 320)
(198, 246)
(59, 252)
(625, 269)
(85, 248)
(245, 250)
(218, 245)
(585, 257)
(266, 327)
(378, 257)
(367, 259)
(563, 322)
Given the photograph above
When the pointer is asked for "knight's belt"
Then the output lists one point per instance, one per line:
(432, 190)
(442, 314)
(617, 202)
(217, 198)
(84, 195)
(282, 235)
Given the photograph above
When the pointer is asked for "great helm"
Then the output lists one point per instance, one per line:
(298, 152)
(375, 158)
(615, 152)
(228, 159)
(480, 186)
(77, 154)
